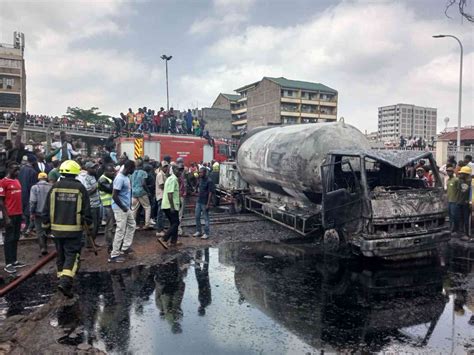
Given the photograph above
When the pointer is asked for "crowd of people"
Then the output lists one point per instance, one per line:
(146, 120)
(458, 184)
(66, 197)
(416, 143)
(63, 122)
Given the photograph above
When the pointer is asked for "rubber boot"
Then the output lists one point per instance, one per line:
(65, 286)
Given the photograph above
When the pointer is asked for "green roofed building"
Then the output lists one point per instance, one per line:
(279, 101)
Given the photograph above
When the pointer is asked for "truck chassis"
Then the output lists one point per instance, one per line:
(299, 220)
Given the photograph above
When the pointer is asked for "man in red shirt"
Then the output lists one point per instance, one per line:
(10, 205)
(157, 122)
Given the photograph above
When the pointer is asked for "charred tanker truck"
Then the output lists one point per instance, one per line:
(325, 177)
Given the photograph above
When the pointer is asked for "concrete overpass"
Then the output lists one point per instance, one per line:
(9, 127)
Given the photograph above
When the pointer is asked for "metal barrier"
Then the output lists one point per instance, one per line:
(56, 127)
(463, 151)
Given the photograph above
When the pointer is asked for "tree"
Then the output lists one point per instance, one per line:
(91, 115)
(462, 5)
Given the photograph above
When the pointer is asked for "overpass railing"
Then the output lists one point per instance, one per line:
(69, 128)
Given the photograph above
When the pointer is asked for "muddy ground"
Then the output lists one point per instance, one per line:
(34, 334)
(281, 280)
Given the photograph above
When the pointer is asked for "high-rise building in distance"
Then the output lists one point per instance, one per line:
(407, 121)
(12, 75)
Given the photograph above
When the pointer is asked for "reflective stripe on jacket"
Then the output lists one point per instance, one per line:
(105, 197)
(67, 207)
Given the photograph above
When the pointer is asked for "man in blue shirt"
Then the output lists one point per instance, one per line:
(140, 193)
(121, 196)
(206, 188)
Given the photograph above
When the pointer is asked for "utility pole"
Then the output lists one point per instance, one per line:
(166, 59)
(458, 148)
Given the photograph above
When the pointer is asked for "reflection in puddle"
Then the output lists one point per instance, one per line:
(270, 298)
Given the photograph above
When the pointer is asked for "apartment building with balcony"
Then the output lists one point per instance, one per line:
(277, 101)
(12, 75)
(237, 104)
(406, 120)
(227, 102)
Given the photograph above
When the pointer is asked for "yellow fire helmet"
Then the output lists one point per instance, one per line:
(70, 167)
(215, 167)
(465, 170)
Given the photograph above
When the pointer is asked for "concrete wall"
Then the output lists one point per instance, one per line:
(263, 105)
(441, 152)
(221, 102)
(218, 122)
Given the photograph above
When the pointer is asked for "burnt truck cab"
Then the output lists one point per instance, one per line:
(371, 202)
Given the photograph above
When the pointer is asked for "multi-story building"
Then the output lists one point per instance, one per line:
(237, 104)
(276, 101)
(12, 75)
(407, 121)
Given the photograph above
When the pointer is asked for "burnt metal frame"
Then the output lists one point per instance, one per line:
(327, 178)
(256, 206)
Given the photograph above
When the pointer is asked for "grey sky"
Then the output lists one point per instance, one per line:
(374, 53)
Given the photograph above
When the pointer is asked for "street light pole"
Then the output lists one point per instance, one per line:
(166, 59)
(458, 149)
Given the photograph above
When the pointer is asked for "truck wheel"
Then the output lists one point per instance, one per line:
(239, 204)
(331, 240)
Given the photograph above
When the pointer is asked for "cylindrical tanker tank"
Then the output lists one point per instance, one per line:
(287, 159)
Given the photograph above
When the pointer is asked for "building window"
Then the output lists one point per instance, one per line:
(10, 63)
(289, 107)
(309, 108)
(8, 83)
(289, 120)
(10, 100)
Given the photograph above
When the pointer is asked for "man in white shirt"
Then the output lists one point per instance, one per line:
(161, 176)
(62, 145)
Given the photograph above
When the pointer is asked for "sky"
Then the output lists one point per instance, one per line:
(106, 54)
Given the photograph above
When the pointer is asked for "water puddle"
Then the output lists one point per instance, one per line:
(265, 298)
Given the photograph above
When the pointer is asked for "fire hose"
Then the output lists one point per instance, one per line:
(42, 262)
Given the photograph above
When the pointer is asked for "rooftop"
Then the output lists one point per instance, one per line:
(467, 134)
(243, 88)
(292, 84)
(231, 97)
(304, 85)
(411, 105)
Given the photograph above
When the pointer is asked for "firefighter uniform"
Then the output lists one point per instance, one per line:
(66, 210)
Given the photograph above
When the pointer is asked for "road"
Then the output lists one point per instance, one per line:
(252, 288)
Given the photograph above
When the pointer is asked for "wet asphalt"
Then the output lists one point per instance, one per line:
(263, 297)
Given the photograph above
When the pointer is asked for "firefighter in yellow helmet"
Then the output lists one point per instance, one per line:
(66, 209)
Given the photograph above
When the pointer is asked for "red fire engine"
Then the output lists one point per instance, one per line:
(191, 148)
